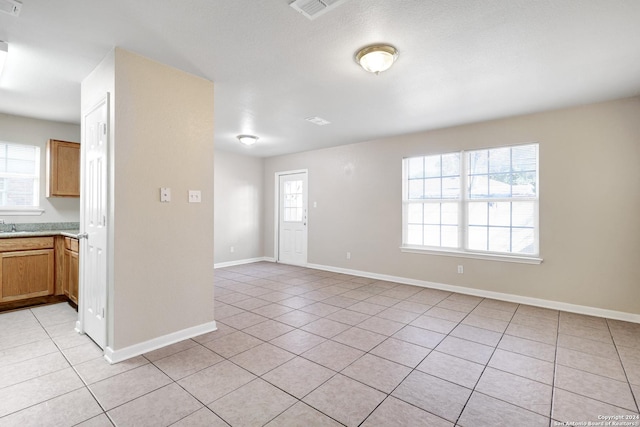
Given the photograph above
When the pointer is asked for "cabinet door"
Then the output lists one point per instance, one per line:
(71, 275)
(26, 274)
(63, 169)
(66, 265)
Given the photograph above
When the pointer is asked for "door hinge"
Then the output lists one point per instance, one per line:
(103, 313)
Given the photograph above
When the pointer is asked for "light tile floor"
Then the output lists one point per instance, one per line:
(302, 347)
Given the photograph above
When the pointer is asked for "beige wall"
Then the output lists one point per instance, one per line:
(589, 206)
(25, 130)
(238, 207)
(161, 277)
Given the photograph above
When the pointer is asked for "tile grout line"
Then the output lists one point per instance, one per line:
(633, 396)
(553, 378)
(473, 390)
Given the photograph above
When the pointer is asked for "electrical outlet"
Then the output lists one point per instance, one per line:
(348, 255)
(165, 194)
(460, 269)
(232, 249)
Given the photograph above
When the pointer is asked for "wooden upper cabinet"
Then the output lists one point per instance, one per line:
(63, 168)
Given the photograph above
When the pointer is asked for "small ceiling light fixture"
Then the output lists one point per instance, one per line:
(377, 58)
(4, 50)
(247, 139)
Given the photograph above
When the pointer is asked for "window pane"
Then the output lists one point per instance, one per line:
(451, 188)
(478, 162)
(478, 186)
(500, 213)
(523, 214)
(432, 213)
(451, 164)
(499, 239)
(500, 160)
(524, 157)
(415, 167)
(523, 241)
(449, 236)
(432, 188)
(500, 185)
(19, 172)
(477, 238)
(432, 166)
(414, 213)
(478, 213)
(524, 184)
(416, 189)
(21, 166)
(432, 235)
(449, 213)
(414, 234)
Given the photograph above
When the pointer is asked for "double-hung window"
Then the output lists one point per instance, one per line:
(19, 177)
(473, 202)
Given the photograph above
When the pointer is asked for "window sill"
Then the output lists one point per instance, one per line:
(21, 211)
(472, 255)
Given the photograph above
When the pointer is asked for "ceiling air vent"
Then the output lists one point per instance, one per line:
(314, 8)
(318, 121)
(11, 7)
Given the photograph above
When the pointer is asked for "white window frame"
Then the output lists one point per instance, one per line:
(463, 226)
(34, 209)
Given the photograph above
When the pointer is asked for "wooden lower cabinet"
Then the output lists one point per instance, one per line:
(38, 266)
(71, 269)
(26, 274)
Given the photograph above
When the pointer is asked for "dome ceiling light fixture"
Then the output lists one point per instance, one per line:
(247, 139)
(376, 58)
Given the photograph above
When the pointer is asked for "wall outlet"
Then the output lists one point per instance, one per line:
(165, 194)
(232, 249)
(460, 269)
(348, 255)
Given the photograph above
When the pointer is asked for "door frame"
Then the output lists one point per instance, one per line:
(276, 236)
(106, 101)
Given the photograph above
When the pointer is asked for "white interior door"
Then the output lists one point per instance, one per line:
(93, 205)
(292, 218)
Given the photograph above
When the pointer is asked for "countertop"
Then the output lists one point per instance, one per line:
(41, 233)
(39, 229)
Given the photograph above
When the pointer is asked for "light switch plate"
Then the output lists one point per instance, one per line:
(195, 196)
(165, 194)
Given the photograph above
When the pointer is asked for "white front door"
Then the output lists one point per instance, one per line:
(93, 205)
(292, 218)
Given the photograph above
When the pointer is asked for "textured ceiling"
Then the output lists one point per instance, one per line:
(460, 61)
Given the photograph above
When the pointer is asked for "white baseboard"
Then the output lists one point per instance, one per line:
(242, 262)
(115, 356)
(573, 308)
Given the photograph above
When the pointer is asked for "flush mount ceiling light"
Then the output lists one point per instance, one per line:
(247, 139)
(4, 49)
(377, 58)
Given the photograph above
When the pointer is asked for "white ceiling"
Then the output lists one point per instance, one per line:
(460, 61)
